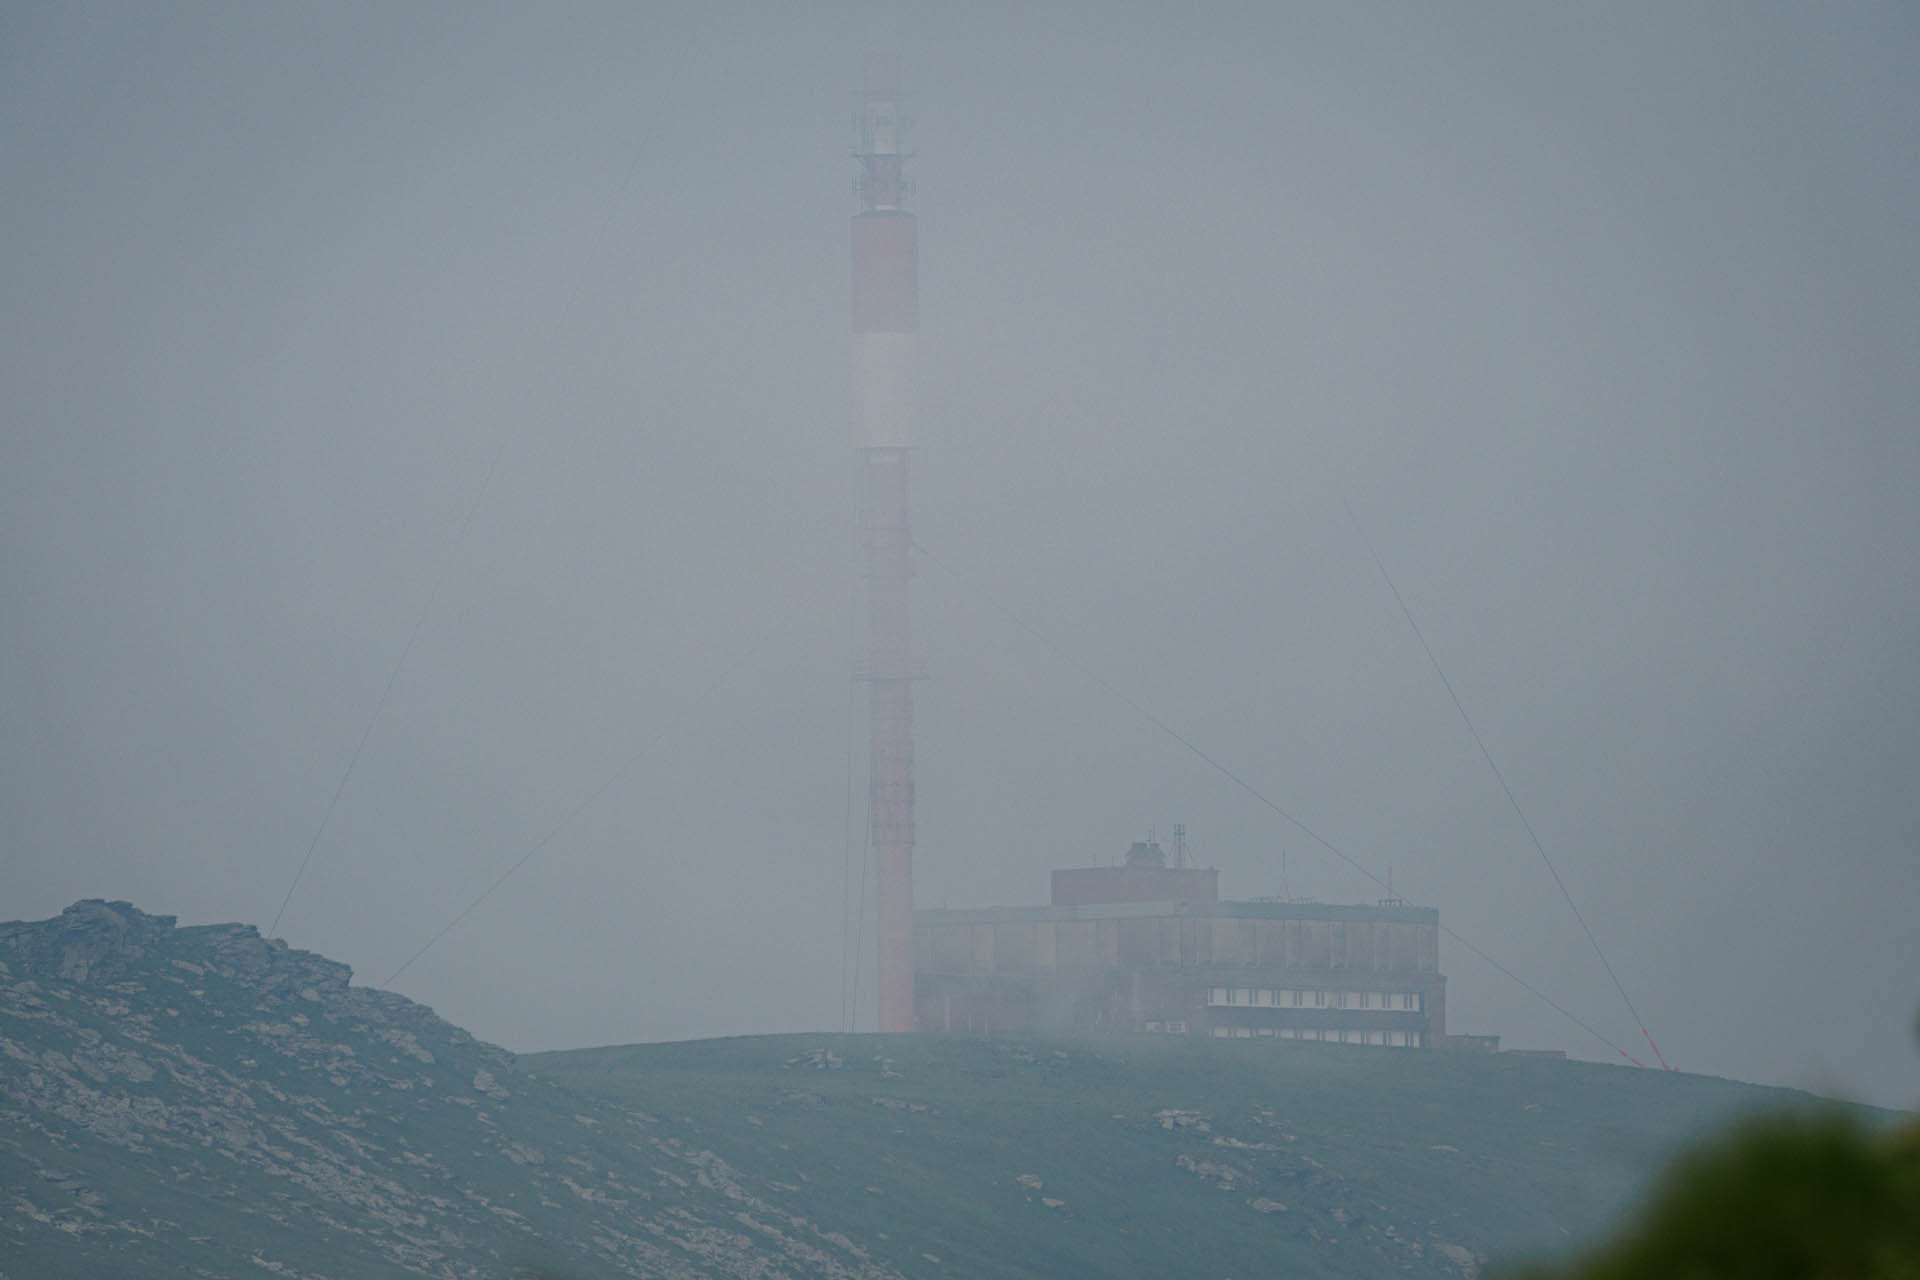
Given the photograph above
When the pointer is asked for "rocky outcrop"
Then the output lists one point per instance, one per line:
(92, 941)
(206, 1102)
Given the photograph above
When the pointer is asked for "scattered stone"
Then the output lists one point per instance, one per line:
(816, 1060)
(1031, 1181)
(1175, 1118)
(1225, 1176)
(1264, 1205)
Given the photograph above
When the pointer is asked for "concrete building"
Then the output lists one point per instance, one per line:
(1149, 947)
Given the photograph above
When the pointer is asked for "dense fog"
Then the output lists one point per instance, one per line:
(529, 323)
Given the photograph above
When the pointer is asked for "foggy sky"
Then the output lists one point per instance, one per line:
(1603, 319)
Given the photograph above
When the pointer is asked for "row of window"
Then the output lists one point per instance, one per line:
(1393, 1039)
(1298, 998)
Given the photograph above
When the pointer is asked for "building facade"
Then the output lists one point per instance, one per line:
(1148, 947)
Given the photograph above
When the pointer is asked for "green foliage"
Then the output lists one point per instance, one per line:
(1795, 1196)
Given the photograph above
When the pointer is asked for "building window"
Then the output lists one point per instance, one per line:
(1265, 1033)
(1376, 1037)
(1176, 1028)
(1243, 1033)
(1217, 996)
(1220, 1033)
(1243, 995)
(1263, 997)
(1319, 999)
(1289, 1033)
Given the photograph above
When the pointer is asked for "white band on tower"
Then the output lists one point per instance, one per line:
(883, 413)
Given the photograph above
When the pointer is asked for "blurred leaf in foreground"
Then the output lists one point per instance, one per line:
(1801, 1194)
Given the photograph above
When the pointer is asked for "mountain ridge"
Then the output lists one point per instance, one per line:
(203, 1102)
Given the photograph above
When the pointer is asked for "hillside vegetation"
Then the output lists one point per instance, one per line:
(201, 1102)
(1157, 1156)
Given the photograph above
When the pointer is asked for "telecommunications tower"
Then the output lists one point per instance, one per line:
(886, 314)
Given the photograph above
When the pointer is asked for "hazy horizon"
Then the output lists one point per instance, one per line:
(1603, 322)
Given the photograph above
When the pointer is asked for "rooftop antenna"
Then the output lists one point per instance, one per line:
(1179, 844)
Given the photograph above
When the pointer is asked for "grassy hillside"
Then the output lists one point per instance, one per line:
(204, 1103)
(1154, 1156)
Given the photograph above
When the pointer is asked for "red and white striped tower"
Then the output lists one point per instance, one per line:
(886, 314)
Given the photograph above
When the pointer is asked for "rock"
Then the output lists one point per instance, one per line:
(93, 941)
(1225, 1176)
(816, 1060)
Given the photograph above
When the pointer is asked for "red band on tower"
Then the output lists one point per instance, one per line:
(886, 273)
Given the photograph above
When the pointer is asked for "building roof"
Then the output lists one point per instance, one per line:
(1355, 912)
